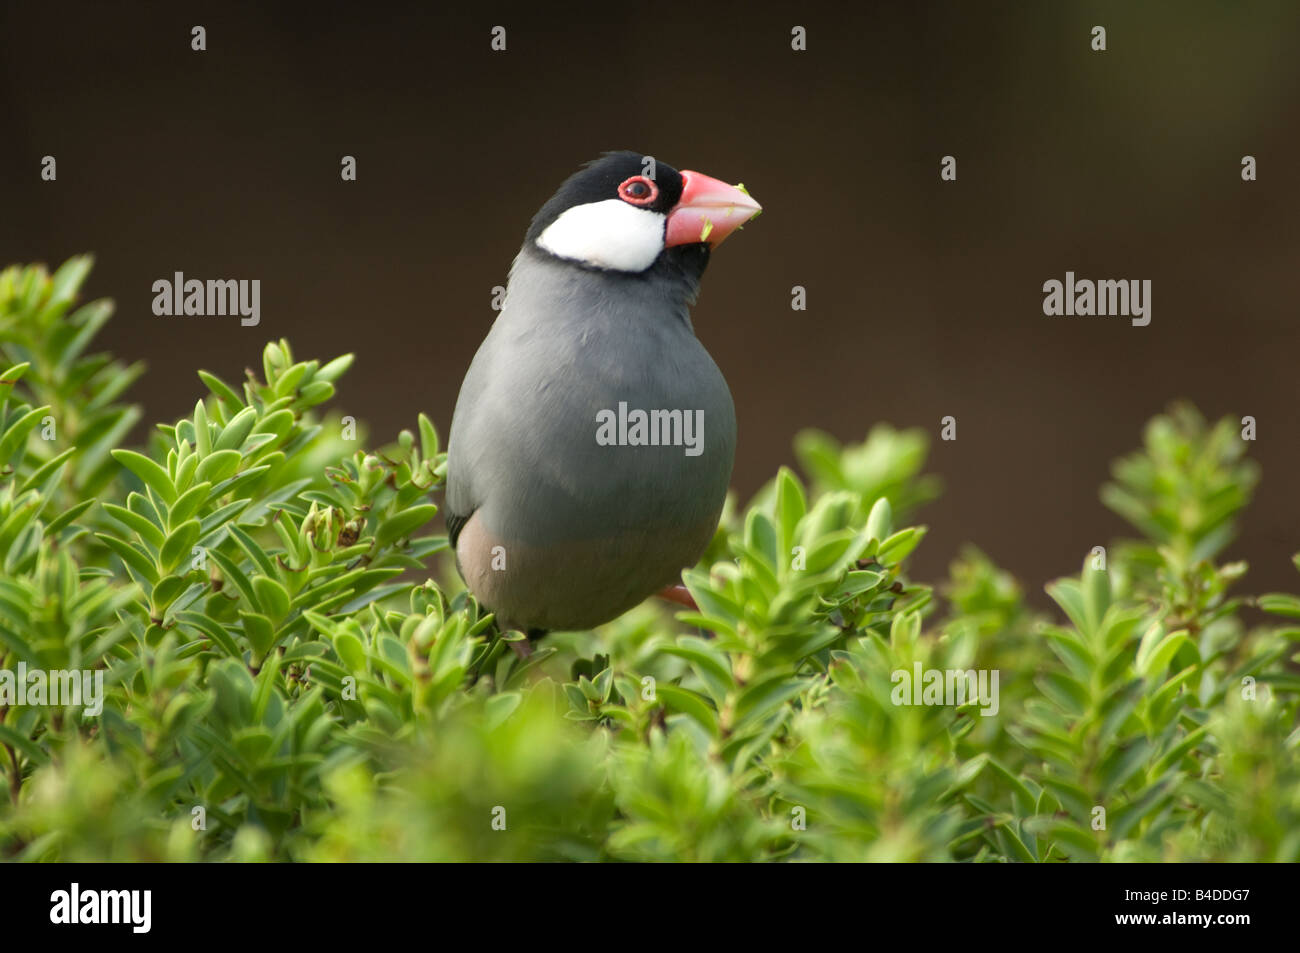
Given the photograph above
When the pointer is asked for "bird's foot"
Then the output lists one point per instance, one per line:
(521, 647)
(680, 595)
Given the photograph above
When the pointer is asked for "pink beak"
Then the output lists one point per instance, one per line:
(708, 211)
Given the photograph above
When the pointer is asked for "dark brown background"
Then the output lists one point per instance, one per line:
(924, 297)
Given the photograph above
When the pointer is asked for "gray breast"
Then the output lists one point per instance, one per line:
(571, 353)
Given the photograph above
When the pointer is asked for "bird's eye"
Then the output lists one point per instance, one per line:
(638, 190)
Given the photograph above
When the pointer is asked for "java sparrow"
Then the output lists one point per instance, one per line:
(592, 442)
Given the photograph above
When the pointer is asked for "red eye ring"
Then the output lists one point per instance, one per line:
(638, 190)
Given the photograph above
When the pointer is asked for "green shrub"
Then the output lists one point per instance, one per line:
(284, 679)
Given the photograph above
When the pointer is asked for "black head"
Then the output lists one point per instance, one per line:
(625, 212)
(630, 177)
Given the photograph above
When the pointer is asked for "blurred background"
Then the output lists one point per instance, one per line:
(924, 298)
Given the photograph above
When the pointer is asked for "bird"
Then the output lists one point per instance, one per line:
(592, 442)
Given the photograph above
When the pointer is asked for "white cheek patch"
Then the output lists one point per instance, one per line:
(608, 234)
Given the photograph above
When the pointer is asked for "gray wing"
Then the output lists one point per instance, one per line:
(464, 441)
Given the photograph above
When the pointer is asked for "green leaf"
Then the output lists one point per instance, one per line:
(689, 704)
(350, 651)
(15, 436)
(254, 550)
(1096, 595)
(1122, 763)
(24, 744)
(899, 546)
(9, 378)
(1074, 840)
(1069, 596)
(189, 503)
(212, 630)
(56, 525)
(178, 545)
(202, 435)
(317, 392)
(710, 665)
(500, 707)
(791, 505)
(428, 436)
(45, 476)
(880, 521)
(218, 465)
(150, 473)
(222, 390)
(235, 432)
(65, 282)
(403, 523)
(335, 369)
(1280, 603)
(233, 574)
(135, 559)
(272, 597)
(1157, 650)
(259, 632)
(167, 591)
(764, 697)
